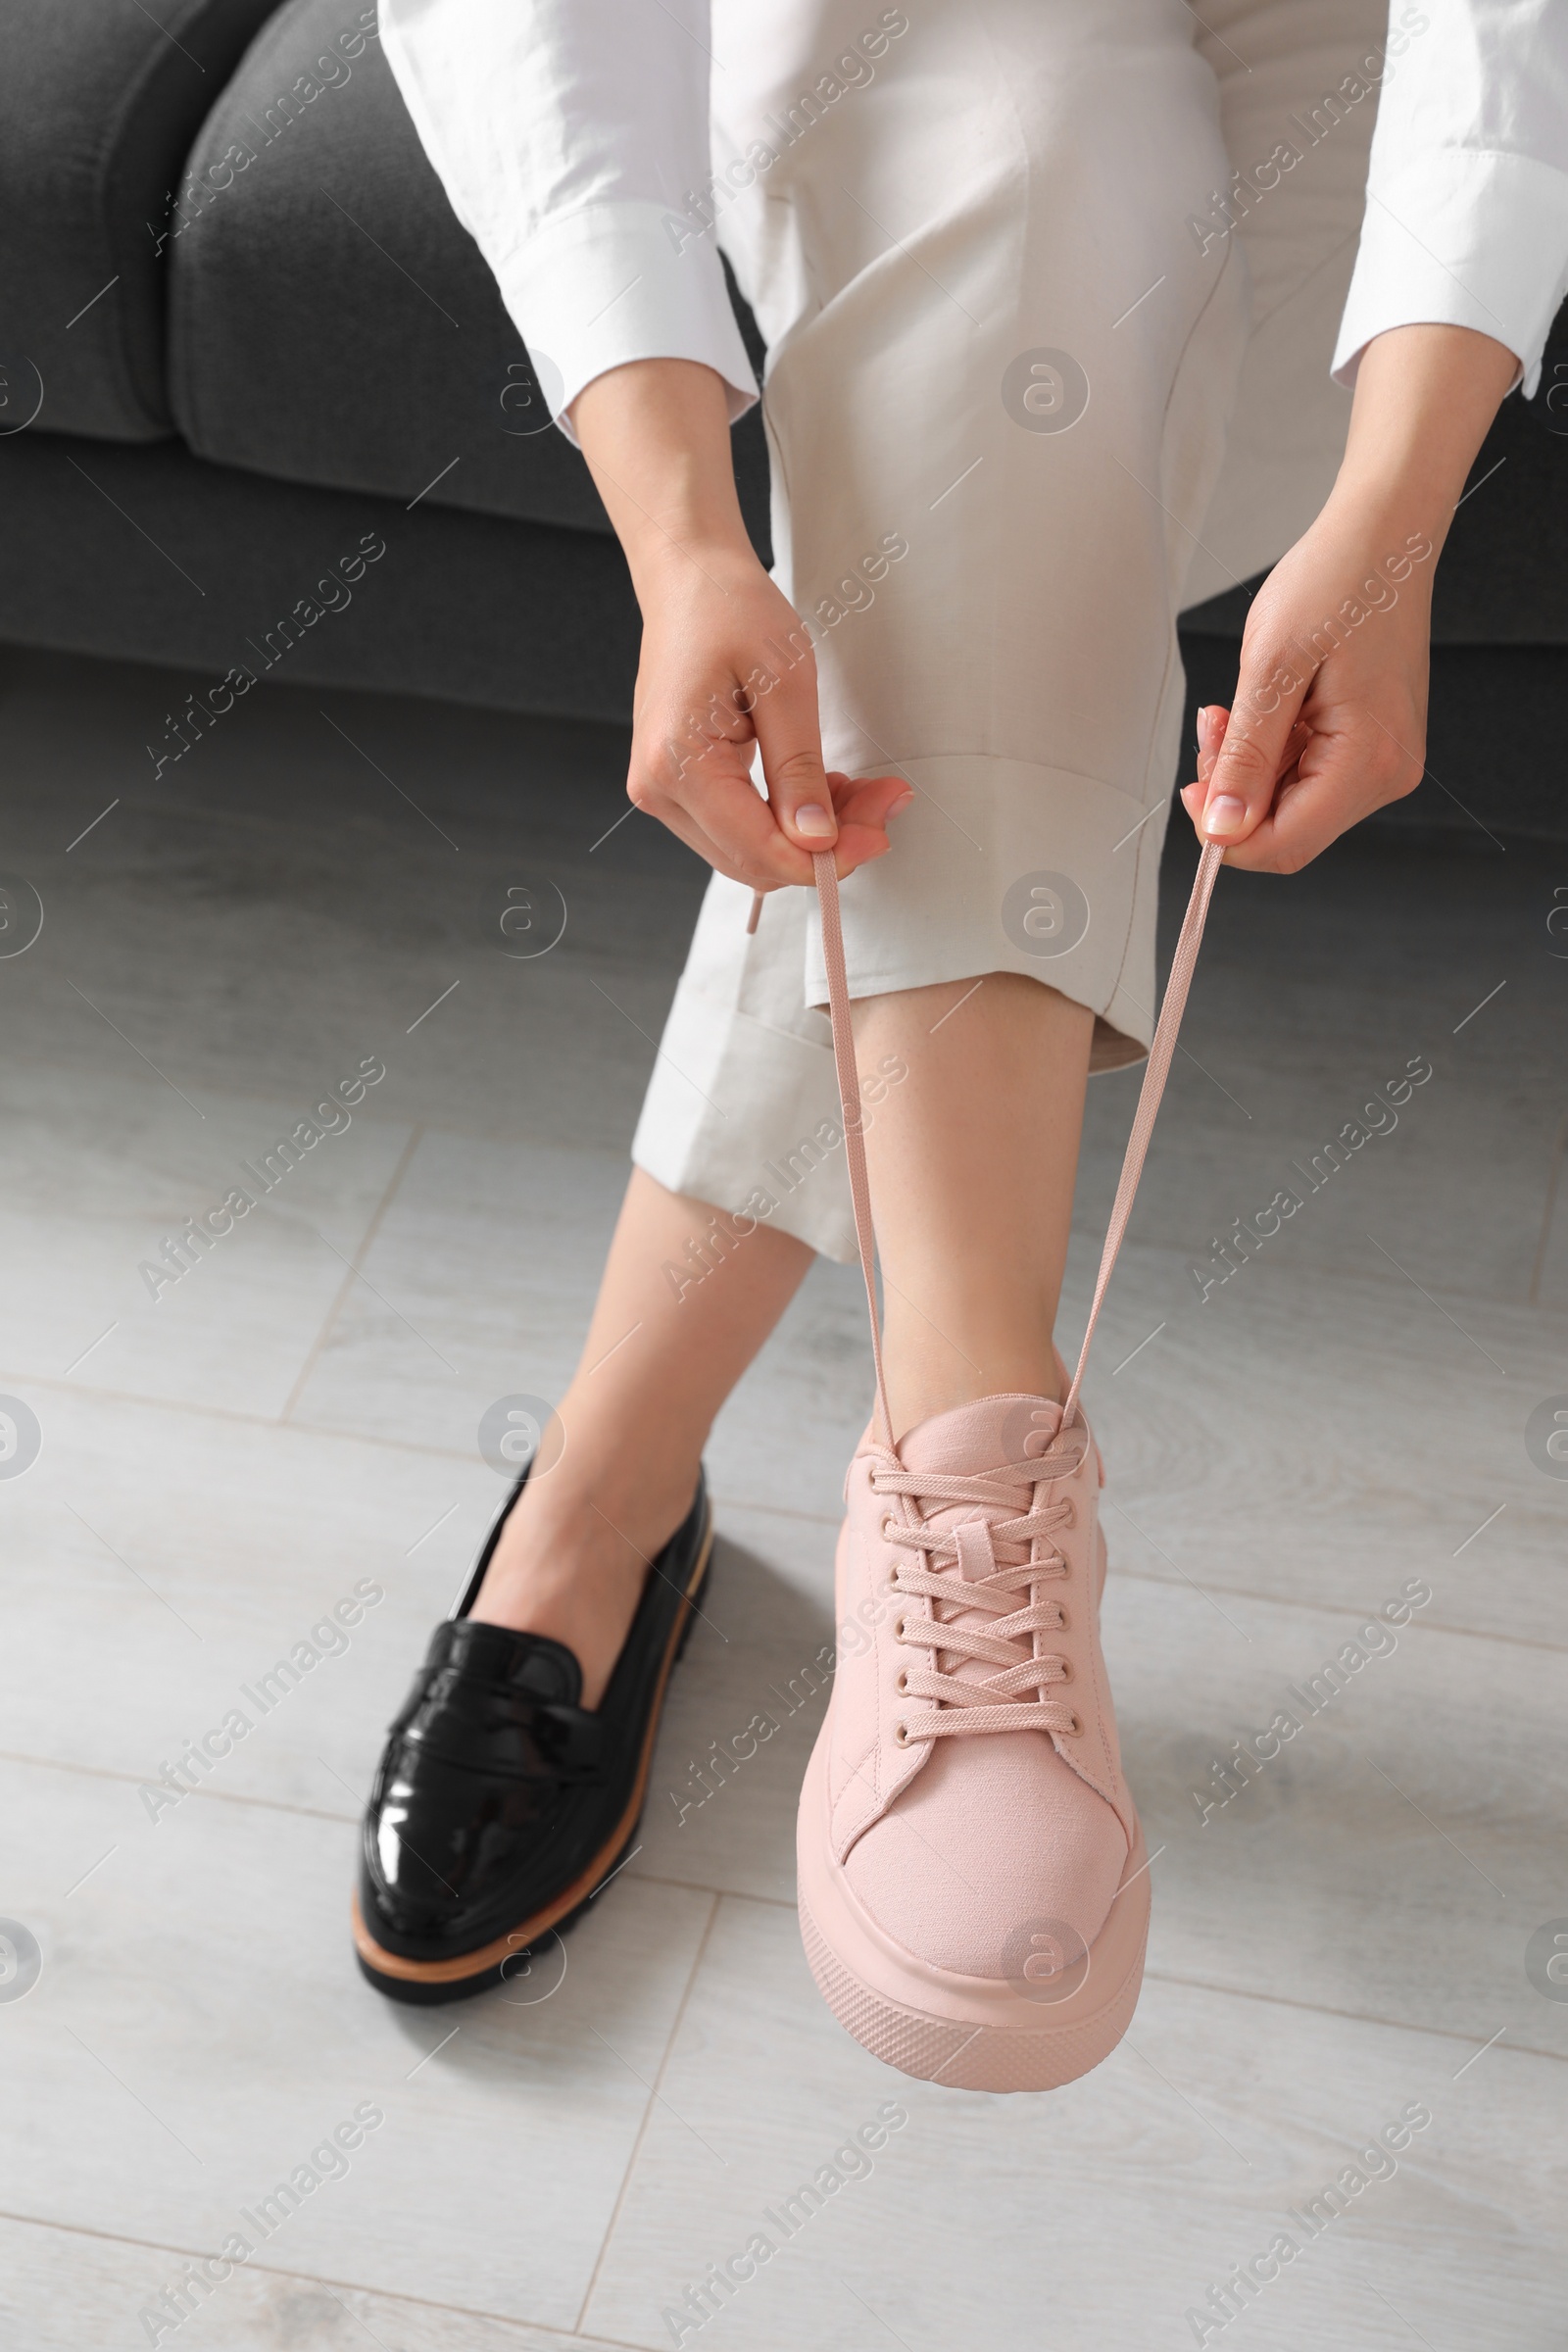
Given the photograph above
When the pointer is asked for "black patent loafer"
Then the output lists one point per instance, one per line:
(501, 1805)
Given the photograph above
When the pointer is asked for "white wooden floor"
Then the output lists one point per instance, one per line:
(1361, 1933)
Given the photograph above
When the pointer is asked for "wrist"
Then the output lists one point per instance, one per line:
(1393, 524)
(656, 436)
(1425, 396)
(682, 552)
(673, 542)
(1392, 506)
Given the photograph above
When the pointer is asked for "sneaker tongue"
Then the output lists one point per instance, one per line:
(975, 1439)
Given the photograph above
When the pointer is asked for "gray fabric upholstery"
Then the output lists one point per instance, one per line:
(524, 616)
(99, 102)
(331, 321)
(529, 616)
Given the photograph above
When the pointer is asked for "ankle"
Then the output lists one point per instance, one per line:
(571, 1575)
(925, 1381)
(597, 1513)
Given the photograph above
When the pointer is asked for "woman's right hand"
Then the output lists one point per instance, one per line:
(726, 667)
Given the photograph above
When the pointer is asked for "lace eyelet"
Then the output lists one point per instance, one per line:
(901, 1735)
(898, 1629)
(1076, 1728)
(902, 1685)
(889, 1527)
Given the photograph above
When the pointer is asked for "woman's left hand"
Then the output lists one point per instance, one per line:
(1330, 715)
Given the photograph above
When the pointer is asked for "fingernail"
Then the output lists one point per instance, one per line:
(1224, 814)
(814, 823)
(904, 800)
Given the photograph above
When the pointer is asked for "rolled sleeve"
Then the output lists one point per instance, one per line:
(1467, 195)
(571, 137)
(591, 290)
(1462, 239)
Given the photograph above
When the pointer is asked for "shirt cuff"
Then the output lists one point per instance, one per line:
(622, 281)
(1461, 238)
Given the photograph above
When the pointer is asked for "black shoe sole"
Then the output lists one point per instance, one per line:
(429, 1983)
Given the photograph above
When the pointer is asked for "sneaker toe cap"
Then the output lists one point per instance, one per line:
(995, 1842)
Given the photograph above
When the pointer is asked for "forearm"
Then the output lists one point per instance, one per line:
(1425, 397)
(656, 436)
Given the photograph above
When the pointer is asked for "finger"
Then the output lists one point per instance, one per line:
(1210, 734)
(711, 804)
(865, 807)
(757, 848)
(718, 797)
(870, 800)
(1347, 770)
(716, 810)
(1212, 720)
(789, 734)
(678, 820)
(709, 801)
(1302, 821)
(1255, 751)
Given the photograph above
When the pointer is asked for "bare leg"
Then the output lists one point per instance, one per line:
(973, 1160)
(616, 1480)
(972, 1163)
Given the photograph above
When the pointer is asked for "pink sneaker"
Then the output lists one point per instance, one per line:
(973, 1893)
(973, 1885)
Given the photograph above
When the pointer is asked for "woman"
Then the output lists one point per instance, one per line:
(1026, 396)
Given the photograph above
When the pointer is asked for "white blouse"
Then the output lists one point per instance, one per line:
(564, 132)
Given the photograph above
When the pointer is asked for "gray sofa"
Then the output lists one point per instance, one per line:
(244, 336)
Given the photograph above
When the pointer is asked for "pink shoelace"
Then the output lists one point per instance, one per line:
(960, 1570)
(961, 1573)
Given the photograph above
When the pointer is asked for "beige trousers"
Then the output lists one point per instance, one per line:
(1051, 289)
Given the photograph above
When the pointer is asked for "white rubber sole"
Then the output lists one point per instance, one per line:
(970, 2032)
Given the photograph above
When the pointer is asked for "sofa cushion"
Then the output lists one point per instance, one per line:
(99, 103)
(331, 321)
